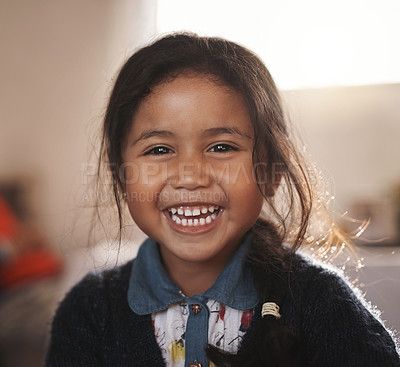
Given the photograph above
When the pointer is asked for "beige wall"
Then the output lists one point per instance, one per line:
(353, 134)
(57, 62)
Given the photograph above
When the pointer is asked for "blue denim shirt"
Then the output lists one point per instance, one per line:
(151, 290)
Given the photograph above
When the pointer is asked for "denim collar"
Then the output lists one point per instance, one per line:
(151, 289)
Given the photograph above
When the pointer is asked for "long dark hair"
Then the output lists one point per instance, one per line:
(276, 159)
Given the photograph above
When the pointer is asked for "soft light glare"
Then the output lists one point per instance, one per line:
(328, 57)
(309, 43)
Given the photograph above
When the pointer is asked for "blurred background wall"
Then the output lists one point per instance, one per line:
(353, 134)
(58, 60)
(57, 63)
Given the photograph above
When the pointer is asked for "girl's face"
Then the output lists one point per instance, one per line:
(189, 172)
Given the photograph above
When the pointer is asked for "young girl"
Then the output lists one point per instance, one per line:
(202, 157)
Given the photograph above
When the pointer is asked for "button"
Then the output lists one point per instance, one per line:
(196, 309)
(195, 365)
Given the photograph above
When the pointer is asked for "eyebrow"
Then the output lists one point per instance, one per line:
(149, 133)
(225, 130)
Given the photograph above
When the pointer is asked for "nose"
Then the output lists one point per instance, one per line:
(189, 172)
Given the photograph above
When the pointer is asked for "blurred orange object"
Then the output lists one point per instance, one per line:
(8, 220)
(29, 266)
(25, 256)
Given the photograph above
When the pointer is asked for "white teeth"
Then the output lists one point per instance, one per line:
(196, 212)
(211, 209)
(194, 222)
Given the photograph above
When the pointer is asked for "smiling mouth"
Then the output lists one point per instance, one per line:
(194, 216)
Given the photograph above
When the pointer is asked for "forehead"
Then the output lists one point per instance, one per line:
(192, 101)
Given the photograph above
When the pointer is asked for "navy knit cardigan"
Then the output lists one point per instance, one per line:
(94, 325)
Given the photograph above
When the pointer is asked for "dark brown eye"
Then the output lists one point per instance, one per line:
(222, 148)
(159, 151)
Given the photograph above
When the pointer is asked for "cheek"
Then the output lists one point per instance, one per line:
(129, 173)
(142, 208)
(242, 188)
(143, 174)
(240, 176)
(143, 183)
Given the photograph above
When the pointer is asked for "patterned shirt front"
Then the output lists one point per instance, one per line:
(183, 325)
(226, 328)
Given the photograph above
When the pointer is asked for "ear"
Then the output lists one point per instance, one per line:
(270, 189)
(274, 180)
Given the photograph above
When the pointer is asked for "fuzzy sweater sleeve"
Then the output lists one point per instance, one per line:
(340, 325)
(77, 326)
(94, 326)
